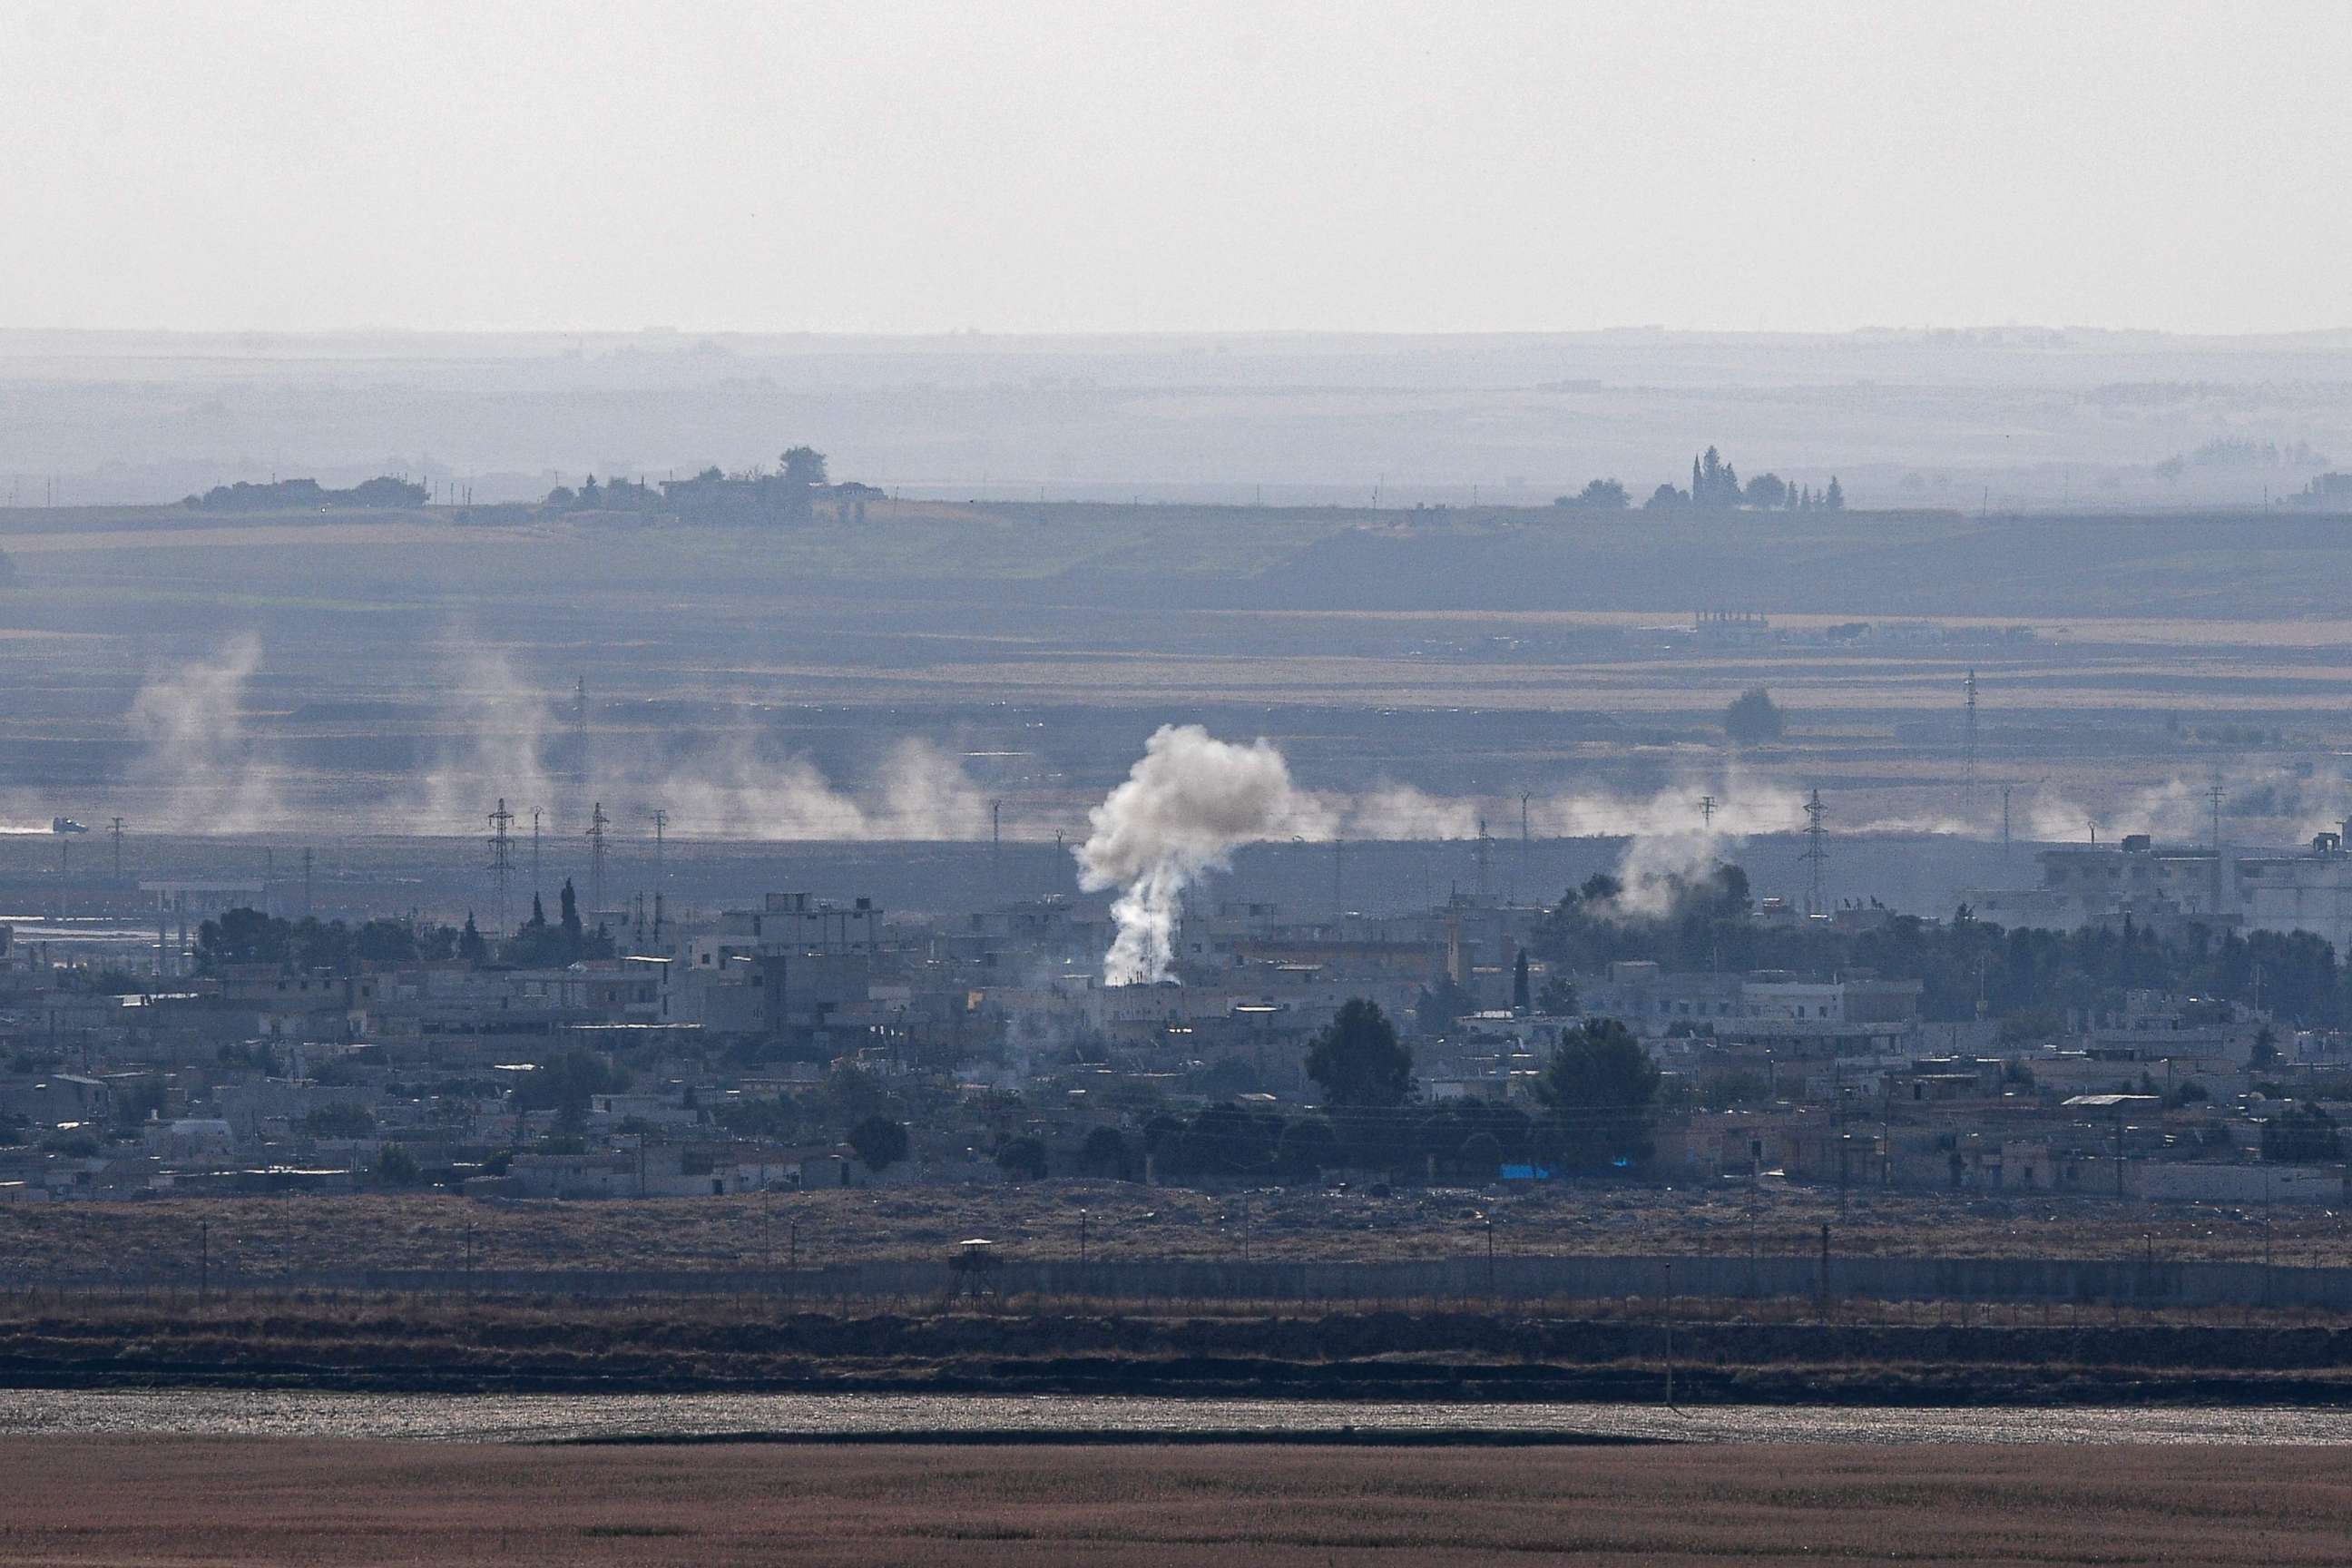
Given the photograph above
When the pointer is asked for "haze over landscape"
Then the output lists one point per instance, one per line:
(849, 734)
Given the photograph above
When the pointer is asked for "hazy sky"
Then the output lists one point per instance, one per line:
(877, 166)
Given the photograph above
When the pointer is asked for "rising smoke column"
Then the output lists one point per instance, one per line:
(190, 722)
(1185, 806)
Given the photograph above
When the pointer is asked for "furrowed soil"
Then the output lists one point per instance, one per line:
(1587, 1352)
(260, 1501)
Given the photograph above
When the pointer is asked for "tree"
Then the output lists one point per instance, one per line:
(880, 1142)
(1558, 996)
(1767, 490)
(1481, 1156)
(804, 466)
(1357, 1060)
(470, 945)
(1599, 1088)
(2264, 1050)
(1753, 718)
(568, 903)
(2302, 1135)
(1307, 1146)
(1833, 499)
(1022, 1159)
(396, 1167)
(1665, 497)
(1105, 1154)
(242, 936)
(1599, 495)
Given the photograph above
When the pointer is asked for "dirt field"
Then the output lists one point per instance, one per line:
(153, 1501)
(262, 1239)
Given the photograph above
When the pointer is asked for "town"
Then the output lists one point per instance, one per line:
(2124, 1038)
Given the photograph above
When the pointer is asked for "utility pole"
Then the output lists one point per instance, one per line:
(116, 829)
(307, 860)
(996, 845)
(535, 884)
(661, 822)
(501, 859)
(1486, 858)
(2004, 825)
(1707, 806)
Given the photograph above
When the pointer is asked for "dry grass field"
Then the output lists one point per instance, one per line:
(271, 1238)
(201, 1501)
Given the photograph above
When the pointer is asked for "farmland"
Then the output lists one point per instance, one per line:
(155, 1501)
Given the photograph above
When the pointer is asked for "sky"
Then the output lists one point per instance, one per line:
(1194, 166)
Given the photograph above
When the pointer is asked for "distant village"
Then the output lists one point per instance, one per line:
(2148, 1024)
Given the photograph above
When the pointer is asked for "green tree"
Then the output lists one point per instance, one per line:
(470, 945)
(1599, 1088)
(1309, 1146)
(1022, 1159)
(1105, 1154)
(1357, 1060)
(2302, 1135)
(880, 1142)
(1481, 1156)
(1833, 499)
(1753, 718)
(1599, 495)
(396, 1167)
(804, 466)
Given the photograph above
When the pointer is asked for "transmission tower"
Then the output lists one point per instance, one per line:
(307, 859)
(535, 883)
(2215, 794)
(502, 860)
(661, 822)
(1969, 779)
(1485, 856)
(1339, 875)
(1707, 806)
(597, 823)
(580, 732)
(1816, 856)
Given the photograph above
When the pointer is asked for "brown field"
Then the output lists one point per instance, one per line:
(1726, 1354)
(188, 1501)
(290, 1238)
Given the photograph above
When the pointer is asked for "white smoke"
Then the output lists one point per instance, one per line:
(501, 728)
(1184, 807)
(918, 793)
(193, 749)
(1394, 811)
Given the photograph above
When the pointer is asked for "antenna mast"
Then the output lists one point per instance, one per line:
(1816, 854)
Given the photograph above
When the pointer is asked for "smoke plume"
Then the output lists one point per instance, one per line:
(1184, 807)
(193, 749)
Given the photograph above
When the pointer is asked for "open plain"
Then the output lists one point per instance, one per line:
(155, 1501)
